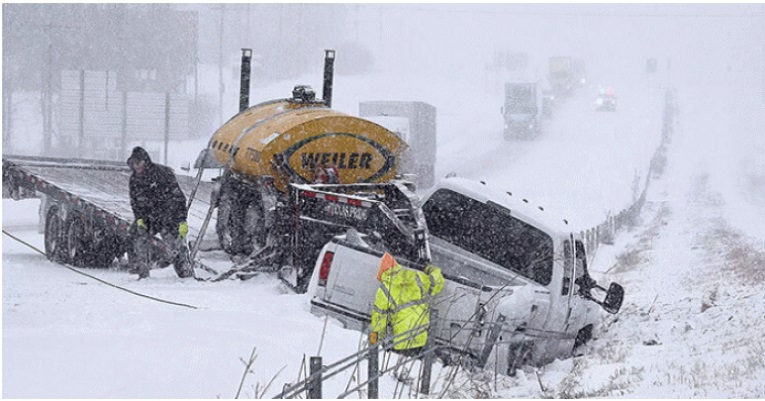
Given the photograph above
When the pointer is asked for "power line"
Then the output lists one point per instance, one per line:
(565, 14)
(101, 280)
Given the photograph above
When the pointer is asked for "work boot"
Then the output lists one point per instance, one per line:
(140, 271)
(182, 263)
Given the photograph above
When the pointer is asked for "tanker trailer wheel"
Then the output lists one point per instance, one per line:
(241, 223)
(76, 241)
(55, 249)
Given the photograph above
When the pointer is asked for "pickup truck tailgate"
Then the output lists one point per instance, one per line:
(351, 286)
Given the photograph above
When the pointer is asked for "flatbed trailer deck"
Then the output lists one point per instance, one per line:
(85, 211)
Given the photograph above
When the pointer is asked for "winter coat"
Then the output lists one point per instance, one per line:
(155, 195)
(403, 301)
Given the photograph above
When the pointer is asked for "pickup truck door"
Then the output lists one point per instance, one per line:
(462, 303)
(561, 315)
(578, 305)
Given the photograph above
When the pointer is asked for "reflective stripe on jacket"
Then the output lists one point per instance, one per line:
(402, 299)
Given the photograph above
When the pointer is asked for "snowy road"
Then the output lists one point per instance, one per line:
(692, 323)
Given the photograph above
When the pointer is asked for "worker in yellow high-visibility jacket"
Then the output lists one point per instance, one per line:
(402, 300)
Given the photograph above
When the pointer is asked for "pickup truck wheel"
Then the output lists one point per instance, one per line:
(582, 337)
(519, 355)
(76, 241)
(54, 238)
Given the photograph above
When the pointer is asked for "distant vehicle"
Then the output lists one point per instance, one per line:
(548, 101)
(606, 100)
(520, 110)
(561, 75)
(579, 72)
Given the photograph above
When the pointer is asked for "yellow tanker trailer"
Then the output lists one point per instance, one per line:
(297, 173)
(291, 141)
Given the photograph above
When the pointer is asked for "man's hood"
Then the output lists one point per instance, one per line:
(139, 153)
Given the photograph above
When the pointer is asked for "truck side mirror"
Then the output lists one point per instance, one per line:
(614, 298)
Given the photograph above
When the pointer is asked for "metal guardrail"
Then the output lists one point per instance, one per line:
(605, 232)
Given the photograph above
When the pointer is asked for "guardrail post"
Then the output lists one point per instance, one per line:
(314, 387)
(373, 372)
(427, 361)
(491, 340)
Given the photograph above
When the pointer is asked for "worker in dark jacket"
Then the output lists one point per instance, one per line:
(159, 207)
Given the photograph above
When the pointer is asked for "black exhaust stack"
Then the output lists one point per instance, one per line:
(329, 62)
(244, 81)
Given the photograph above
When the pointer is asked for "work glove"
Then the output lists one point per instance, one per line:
(373, 338)
(429, 269)
(141, 224)
(183, 229)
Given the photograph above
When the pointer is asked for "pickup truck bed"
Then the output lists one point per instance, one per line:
(351, 286)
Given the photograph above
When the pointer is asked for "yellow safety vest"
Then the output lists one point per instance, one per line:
(402, 299)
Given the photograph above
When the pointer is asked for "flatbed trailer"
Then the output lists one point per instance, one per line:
(85, 212)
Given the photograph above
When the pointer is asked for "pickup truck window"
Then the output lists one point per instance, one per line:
(567, 267)
(581, 268)
(491, 232)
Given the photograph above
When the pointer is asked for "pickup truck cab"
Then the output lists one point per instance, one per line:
(517, 289)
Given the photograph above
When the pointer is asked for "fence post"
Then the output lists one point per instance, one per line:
(491, 340)
(314, 387)
(373, 372)
(123, 144)
(81, 133)
(167, 123)
(427, 361)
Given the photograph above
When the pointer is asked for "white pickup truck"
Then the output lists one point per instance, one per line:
(517, 289)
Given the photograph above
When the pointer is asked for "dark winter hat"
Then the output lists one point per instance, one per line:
(139, 153)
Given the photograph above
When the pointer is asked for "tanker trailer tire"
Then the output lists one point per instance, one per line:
(240, 223)
(54, 236)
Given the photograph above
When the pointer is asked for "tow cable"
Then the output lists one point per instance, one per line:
(98, 279)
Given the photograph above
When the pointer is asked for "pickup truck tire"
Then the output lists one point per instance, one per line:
(519, 355)
(54, 238)
(582, 337)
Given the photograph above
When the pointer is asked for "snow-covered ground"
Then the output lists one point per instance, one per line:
(692, 324)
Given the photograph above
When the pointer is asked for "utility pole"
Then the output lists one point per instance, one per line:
(7, 89)
(220, 66)
(7, 110)
(46, 100)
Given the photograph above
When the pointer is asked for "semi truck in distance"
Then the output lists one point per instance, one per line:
(521, 110)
